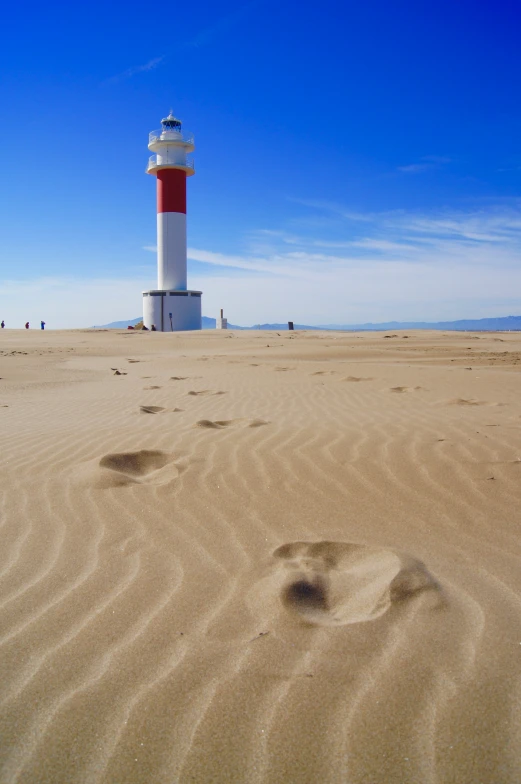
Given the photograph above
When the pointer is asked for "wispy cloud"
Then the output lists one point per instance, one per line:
(404, 265)
(415, 168)
(395, 264)
(426, 163)
(130, 72)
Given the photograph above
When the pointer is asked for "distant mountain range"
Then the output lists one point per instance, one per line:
(472, 325)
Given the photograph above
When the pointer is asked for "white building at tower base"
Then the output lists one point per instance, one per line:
(172, 311)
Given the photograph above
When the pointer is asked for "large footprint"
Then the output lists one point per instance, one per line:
(338, 583)
(121, 469)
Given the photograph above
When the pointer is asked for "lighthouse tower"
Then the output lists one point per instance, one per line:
(171, 307)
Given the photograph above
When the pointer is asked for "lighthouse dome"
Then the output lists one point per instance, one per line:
(171, 123)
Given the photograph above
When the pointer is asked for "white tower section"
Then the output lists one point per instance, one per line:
(172, 306)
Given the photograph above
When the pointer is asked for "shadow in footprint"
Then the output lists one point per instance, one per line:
(151, 409)
(339, 583)
(357, 378)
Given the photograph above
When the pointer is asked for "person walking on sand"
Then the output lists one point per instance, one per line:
(2, 324)
(27, 325)
(42, 324)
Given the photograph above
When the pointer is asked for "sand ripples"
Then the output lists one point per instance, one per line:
(300, 579)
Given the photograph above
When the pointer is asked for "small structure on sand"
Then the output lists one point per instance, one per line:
(221, 322)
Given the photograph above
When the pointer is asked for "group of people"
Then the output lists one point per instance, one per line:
(27, 325)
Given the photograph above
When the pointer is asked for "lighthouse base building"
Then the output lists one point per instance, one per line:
(172, 307)
(172, 311)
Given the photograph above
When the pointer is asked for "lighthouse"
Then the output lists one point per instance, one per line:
(172, 306)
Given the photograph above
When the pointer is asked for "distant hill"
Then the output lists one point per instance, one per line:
(119, 324)
(472, 325)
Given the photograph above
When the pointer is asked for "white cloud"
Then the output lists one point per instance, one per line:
(401, 265)
(150, 66)
(391, 265)
(415, 168)
(426, 162)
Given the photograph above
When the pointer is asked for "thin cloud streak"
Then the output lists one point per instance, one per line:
(415, 168)
(130, 72)
(427, 163)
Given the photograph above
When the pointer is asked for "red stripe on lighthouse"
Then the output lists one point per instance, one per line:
(171, 190)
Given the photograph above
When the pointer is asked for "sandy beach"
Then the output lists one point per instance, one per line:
(260, 557)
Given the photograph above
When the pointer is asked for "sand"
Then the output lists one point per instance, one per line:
(260, 557)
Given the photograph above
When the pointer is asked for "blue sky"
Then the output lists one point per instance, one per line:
(355, 161)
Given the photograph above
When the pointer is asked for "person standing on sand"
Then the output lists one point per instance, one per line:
(2, 324)
(42, 324)
(27, 325)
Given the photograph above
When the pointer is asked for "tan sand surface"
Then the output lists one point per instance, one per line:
(260, 557)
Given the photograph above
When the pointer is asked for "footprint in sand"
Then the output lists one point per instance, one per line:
(153, 387)
(283, 368)
(121, 469)
(339, 583)
(324, 373)
(358, 378)
(151, 409)
(405, 389)
(205, 392)
(219, 424)
(178, 378)
(461, 401)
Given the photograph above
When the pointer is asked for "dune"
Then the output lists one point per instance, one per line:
(260, 573)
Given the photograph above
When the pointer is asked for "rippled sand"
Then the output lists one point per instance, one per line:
(260, 557)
